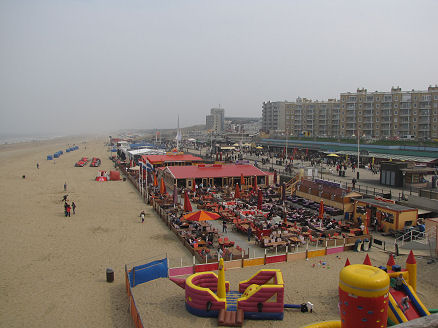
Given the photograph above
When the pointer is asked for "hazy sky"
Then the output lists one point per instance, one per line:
(74, 66)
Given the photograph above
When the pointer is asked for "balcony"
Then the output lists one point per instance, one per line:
(424, 113)
(386, 113)
(404, 113)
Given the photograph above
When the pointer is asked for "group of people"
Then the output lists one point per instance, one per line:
(67, 207)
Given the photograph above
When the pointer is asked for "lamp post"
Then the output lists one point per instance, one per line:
(403, 185)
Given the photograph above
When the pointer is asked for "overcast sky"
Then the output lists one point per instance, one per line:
(78, 66)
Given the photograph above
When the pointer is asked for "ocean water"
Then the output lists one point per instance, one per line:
(17, 138)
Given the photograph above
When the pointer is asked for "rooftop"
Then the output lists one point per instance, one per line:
(214, 171)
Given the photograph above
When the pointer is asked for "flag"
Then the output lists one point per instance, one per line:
(149, 166)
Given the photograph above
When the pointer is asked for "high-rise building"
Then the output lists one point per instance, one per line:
(390, 114)
(273, 116)
(302, 117)
(376, 115)
(215, 122)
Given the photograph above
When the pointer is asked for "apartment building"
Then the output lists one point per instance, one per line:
(302, 117)
(215, 122)
(375, 115)
(273, 116)
(390, 114)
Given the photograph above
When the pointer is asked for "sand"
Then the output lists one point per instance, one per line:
(53, 269)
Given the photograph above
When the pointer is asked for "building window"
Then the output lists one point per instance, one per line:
(415, 119)
(415, 112)
(415, 105)
(395, 112)
(377, 105)
(377, 119)
(377, 98)
(415, 127)
(395, 119)
(395, 97)
(434, 119)
(395, 105)
(435, 97)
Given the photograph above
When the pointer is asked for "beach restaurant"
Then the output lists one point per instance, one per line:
(389, 215)
(219, 175)
(171, 159)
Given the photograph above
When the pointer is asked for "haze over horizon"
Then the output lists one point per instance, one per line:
(79, 66)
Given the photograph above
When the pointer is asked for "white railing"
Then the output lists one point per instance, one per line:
(418, 236)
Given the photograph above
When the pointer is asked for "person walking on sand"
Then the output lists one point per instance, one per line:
(142, 216)
(65, 186)
(68, 210)
(73, 207)
(38, 165)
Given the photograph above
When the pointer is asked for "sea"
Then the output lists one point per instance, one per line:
(17, 138)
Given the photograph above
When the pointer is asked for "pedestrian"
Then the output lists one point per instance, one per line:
(405, 303)
(65, 186)
(249, 233)
(64, 198)
(224, 226)
(38, 165)
(68, 210)
(219, 253)
(73, 207)
(353, 182)
(142, 216)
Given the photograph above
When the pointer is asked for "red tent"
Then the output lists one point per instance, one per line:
(114, 175)
(187, 204)
(259, 200)
(237, 192)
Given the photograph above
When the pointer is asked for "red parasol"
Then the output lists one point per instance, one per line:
(201, 216)
(237, 192)
(187, 204)
(259, 200)
(162, 187)
(321, 209)
(155, 180)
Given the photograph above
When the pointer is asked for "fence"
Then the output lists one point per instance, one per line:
(265, 260)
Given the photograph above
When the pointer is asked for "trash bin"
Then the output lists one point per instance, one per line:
(109, 275)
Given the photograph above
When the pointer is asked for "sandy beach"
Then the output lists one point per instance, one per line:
(53, 268)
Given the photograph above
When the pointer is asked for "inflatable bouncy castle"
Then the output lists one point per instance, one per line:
(260, 297)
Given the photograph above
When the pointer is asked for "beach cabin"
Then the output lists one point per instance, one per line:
(390, 216)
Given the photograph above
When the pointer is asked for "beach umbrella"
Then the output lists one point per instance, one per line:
(259, 199)
(201, 216)
(255, 183)
(237, 192)
(242, 180)
(175, 195)
(332, 155)
(187, 204)
(321, 209)
(162, 187)
(259, 147)
(155, 180)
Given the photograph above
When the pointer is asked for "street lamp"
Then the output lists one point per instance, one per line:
(403, 185)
